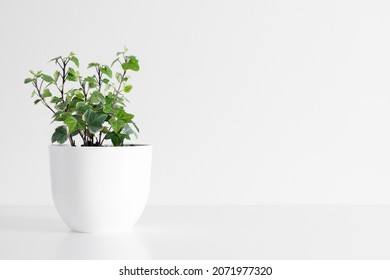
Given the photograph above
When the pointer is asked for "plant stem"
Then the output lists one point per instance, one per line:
(100, 77)
(120, 83)
(40, 96)
(72, 142)
(63, 67)
(82, 84)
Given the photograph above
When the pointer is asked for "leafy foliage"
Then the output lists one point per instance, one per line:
(91, 106)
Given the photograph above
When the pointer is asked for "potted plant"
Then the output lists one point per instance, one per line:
(96, 187)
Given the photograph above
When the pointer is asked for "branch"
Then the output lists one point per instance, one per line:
(82, 84)
(40, 96)
(100, 77)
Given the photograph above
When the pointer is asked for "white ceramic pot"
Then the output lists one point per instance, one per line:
(100, 189)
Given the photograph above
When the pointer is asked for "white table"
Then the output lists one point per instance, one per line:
(206, 232)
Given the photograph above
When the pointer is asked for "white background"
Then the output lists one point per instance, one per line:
(245, 102)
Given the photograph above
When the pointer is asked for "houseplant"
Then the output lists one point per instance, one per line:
(96, 187)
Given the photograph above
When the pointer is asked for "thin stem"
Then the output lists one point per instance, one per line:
(120, 83)
(104, 138)
(41, 97)
(82, 137)
(63, 76)
(82, 84)
(72, 142)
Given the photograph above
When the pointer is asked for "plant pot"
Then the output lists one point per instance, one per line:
(100, 189)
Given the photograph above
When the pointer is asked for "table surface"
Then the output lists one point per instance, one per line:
(205, 232)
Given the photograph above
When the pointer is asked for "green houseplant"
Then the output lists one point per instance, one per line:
(95, 187)
(90, 106)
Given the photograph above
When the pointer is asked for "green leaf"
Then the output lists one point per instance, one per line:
(106, 70)
(131, 64)
(117, 125)
(93, 64)
(60, 135)
(78, 94)
(128, 130)
(55, 99)
(115, 138)
(47, 78)
(56, 75)
(37, 101)
(82, 107)
(136, 127)
(61, 105)
(46, 93)
(55, 59)
(91, 81)
(123, 116)
(61, 116)
(96, 98)
(106, 81)
(28, 80)
(118, 77)
(72, 124)
(72, 75)
(75, 60)
(108, 109)
(127, 88)
(94, 120)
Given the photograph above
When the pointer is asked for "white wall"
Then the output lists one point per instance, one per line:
(245, 102)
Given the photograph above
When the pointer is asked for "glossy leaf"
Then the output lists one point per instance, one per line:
(93, 64)
(72, 75)
(127, 88)
(56, 75)
(131, 64)
(61, 116)
(122, 115)
(106, 70)
(74, 60)
(117, 125)
(96, 98)
(118, 77)
(60, 135)
(94, 120)
(55, 100)
(46, 93)
(115, 138)
(72, 124)
(47, 78)
(128, 130)
(82, 107)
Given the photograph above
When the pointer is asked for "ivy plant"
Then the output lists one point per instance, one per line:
(89, 106)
